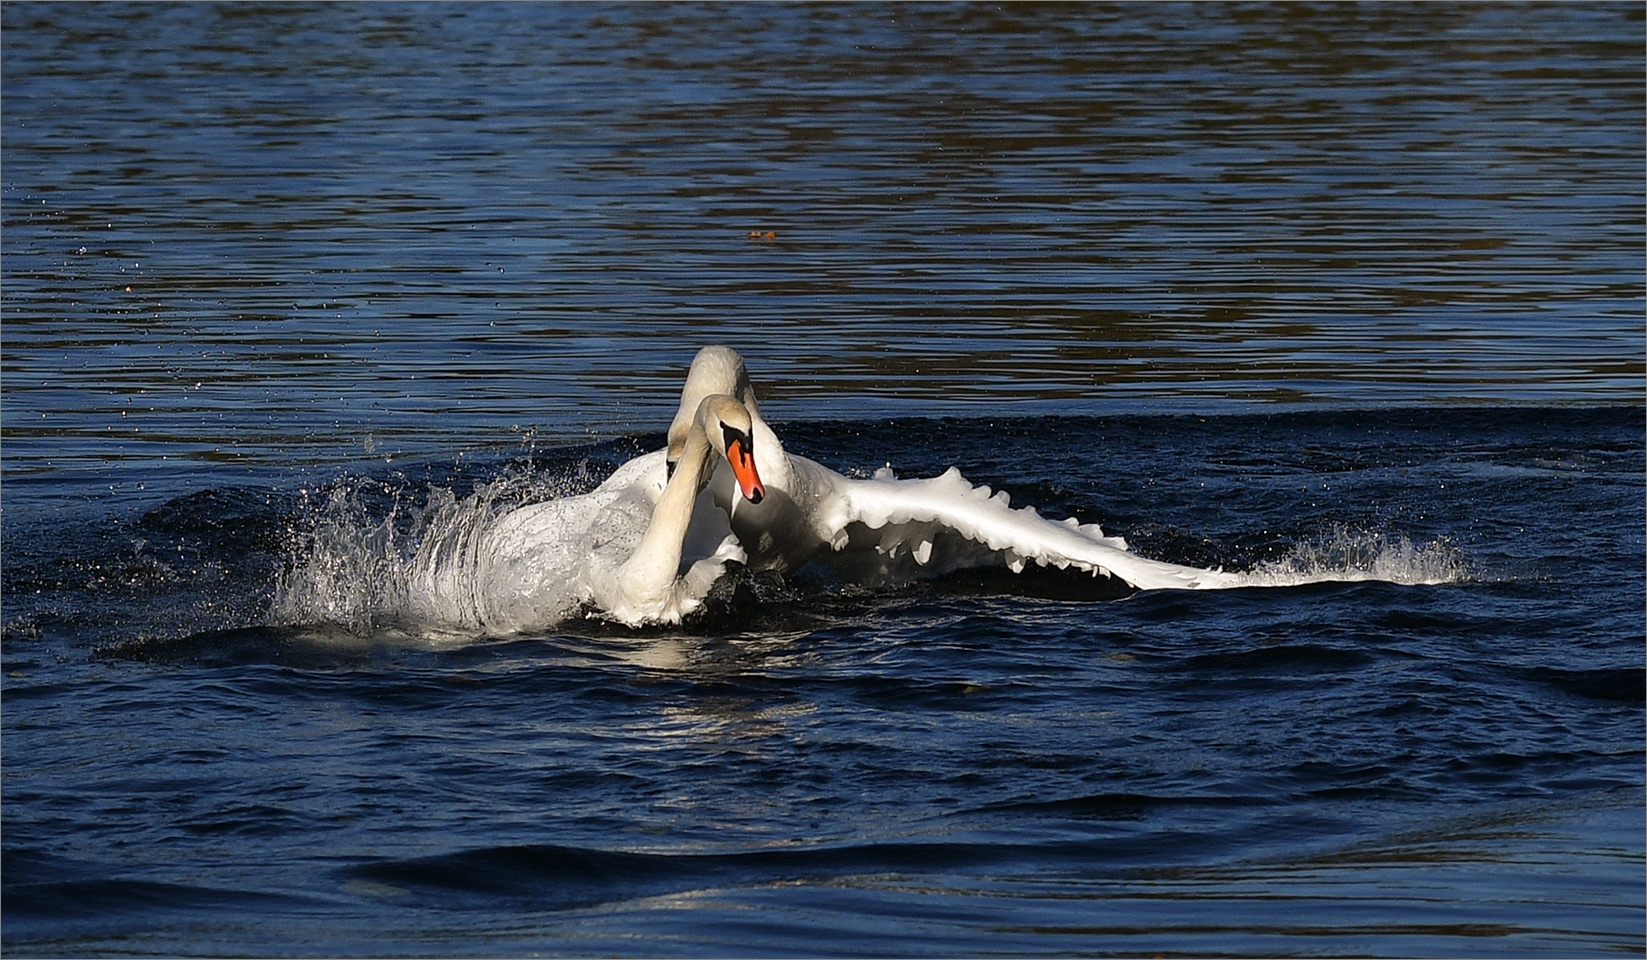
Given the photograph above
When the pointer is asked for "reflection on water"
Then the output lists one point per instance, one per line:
(248, 234)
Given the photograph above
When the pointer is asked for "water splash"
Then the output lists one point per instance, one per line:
(355, 555)
(333, 558)
(1352, 555)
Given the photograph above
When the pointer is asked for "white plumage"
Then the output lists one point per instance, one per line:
(884, 530)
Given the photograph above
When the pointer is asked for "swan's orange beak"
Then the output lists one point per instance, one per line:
(743, 467)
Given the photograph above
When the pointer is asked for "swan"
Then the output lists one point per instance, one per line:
(646, 586)
(643, 547)
(886, 530)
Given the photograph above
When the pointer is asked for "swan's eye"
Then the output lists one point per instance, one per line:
(731, 436)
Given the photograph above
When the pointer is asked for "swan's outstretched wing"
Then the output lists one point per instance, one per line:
(885, 529)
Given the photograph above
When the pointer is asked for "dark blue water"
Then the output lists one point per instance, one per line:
(1344, 286)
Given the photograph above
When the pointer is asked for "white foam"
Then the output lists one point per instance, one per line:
(1350, 555)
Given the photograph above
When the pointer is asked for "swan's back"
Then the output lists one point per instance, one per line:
(542, 563)
(533, 566)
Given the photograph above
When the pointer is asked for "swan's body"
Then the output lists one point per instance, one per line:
(884, 529)
(639, 548)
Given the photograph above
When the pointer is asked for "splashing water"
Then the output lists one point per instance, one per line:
(366, 569)
(342, 569)
(1351, 555)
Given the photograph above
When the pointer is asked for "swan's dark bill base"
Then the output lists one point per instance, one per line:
(743, 467)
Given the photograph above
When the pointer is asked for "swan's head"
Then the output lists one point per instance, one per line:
(715, 370)
(729, 429)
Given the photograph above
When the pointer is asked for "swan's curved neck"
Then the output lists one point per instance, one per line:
(774, 461)
(660, 547)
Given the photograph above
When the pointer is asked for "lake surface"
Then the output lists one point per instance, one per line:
(1354, 287)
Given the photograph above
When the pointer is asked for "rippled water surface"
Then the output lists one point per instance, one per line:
(1354, 287)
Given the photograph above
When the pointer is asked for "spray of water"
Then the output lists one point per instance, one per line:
(363, 551)
(1352, 555)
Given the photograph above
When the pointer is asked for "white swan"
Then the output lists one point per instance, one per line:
(886, 530)
(647, 586)
(638, 549)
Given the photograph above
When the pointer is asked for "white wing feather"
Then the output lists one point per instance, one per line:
(913, 518)
(885, 530)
